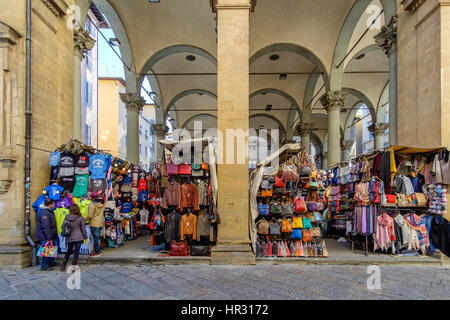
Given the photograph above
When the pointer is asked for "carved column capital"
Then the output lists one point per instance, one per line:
(388, 36)
(133, 101)
(347, 145)
(57, 7)
(160, 129)
(378, 128)
(305, 128)
(215, 4)
(333, 100)
(82, 42)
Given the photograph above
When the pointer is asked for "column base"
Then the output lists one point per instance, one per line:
(15, 256)
(232, 253)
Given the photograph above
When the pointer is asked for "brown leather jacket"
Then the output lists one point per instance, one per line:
(189, 196)
(172, 195)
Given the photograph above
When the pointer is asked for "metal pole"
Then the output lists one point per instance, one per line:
(27, 222)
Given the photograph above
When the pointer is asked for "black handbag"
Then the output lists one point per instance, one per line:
(197, 250)
(274, 229)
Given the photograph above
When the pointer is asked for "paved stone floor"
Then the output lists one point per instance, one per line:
(285, 282)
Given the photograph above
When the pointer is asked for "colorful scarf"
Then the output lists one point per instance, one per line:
(385, 232)
(417, 223)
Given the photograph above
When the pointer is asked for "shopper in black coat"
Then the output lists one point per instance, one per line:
(46, 231)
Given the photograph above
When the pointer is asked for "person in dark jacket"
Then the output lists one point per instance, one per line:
(76, 237)
(46, 231)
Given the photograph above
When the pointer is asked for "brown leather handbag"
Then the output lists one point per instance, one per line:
(421, 199)
(306, 235)
(178, 248)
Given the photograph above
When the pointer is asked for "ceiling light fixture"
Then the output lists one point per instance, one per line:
(283, 76)
(261, 127)
(153, 1)
(274, 57)
(362, 55)
(190, 57)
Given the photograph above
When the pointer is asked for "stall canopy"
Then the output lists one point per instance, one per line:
(255, 182)
(205, 142)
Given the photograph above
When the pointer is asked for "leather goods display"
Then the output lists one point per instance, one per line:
(263, 209)
(275, 208)
(196, 166)
(296, 234)
(315, 232)
(204, 166)
(391, 198)
(289, 172)
(402, 200)
(421, 199)
(299, 205)
(185, 169)
(263, 227)
(279, 182)
(197, 250)
(286, 210)
(286, 226)
(306, 235)
(266, 185)
(172, 169)
(178, 248)
(274, 229)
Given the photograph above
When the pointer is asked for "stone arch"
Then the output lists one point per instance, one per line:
(372, 47)
(196, 116)
(364, 99)
(345, 36)
(161, 54)
(125, 48)
(383, 103)
(263, 115)
(279, 92)
(295, 48)
(185, 93)
(350, 119)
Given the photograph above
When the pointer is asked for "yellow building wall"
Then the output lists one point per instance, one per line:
(108, 116)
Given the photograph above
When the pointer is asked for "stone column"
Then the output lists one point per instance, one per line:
(324, 160)
(134, 104)
(82, 43)
(160, 131)
(387, 39)
(233, 242)
(346, 148)
(333, 101)
(377, 131)
(305, 133)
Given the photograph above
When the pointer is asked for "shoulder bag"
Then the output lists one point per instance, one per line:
(286, 226)
(274, 229)
(197, 250)
(300, 205)
(263, 209)
(306, 235)
(263, 227)
(178, 248)
(275, 207)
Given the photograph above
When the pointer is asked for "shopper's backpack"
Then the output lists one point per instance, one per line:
(65, 228)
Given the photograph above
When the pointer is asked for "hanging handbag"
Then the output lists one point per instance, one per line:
(185, 169)
(275, 207)
(274, 229)
(204, 166)
(286, 247)
(269, 248)
(264, 249)
(197, 250)
(286, 210)
(421, 199)
(286, 226)
(172, 169)
(274, 249)
(306, 235)
(266, 185)
(299, 204)
(392, 199)
(258, 252)
(266, 193)
(279, 182)
(296, 234)
(297, 223)
(281, 249)
(315, 232)
(263, 209)
(178, 248)
(263, 227)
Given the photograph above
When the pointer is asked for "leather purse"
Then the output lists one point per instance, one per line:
(421, 199)
(286, 210)
(263, 209)
(402, 200)
(279, 182)
(265, 184)
(391, 198)
(266, 193)
(196, 166)
(286, 226)
(263, 227)
(185, 169)
(197, 250)
(306, 235)
(274, 229)
(315, 232)
(300, 205)
(178, 248)
(275, 207)
(204, 166)
(297, 223)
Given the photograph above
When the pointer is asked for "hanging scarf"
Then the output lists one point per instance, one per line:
(385, 232)
(417, 223)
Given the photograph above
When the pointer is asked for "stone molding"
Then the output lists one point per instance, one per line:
(57, 7)
(388, 36)
(412, 5)
(82, 42)
(7, 166)
(305, 128)
(8, 38)
(133, 102)
(378, 128)
(251, 5)
(333, 100)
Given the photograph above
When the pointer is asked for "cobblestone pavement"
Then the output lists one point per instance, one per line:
(286, 282)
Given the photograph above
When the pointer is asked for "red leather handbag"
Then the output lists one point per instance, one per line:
(391, 198)
(178, 248)
(185, 169)
(279, 182)
(300, 206)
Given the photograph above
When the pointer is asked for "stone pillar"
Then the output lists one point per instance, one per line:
(82, 43)
(324, 160)
(134, 104)
(346, 148)
(305, 133)
(333, 101)
(160, 131)
(377, 131)
(233, 241)
(387, 39)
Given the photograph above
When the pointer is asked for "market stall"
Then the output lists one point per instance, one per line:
(188, 198)
(286, 206)
(391, 201)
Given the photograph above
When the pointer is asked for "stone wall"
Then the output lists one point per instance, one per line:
(52, 72)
